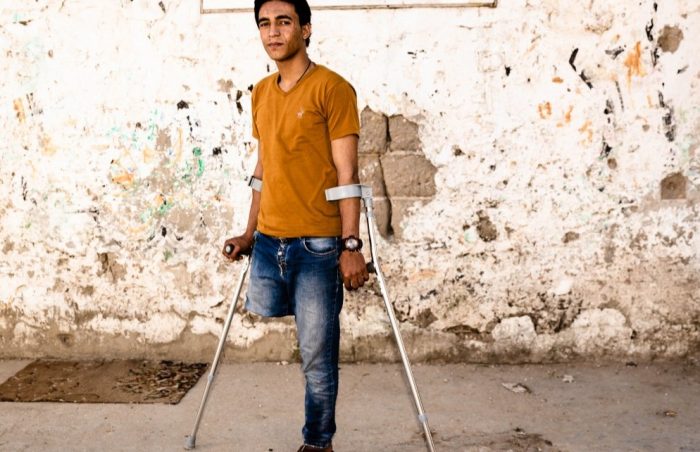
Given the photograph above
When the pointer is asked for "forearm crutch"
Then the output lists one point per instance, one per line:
(365, 192)
(191, 439)
(255, 184)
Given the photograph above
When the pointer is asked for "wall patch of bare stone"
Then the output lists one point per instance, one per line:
(392, 162)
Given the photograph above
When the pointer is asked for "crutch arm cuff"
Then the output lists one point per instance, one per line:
(255, 183)
(348, 191)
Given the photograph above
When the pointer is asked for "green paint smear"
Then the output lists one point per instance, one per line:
(165, 208)
(200, 169)
(188, 171)
(197, 151)
(167, 255)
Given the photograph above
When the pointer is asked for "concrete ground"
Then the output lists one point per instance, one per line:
(258, 408)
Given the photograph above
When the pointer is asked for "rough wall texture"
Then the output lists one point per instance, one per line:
(539, 166)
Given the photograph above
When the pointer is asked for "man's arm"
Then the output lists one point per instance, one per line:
(242, 244)
(352, 264)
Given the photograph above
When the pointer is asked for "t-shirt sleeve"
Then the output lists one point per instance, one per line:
(253, 109)
(343, 119)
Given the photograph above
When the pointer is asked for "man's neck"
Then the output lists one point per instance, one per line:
(292, 70)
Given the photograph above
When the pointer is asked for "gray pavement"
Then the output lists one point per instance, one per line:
(259, 408)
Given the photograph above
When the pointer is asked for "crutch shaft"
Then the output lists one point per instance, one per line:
(191, 439)
(422, 417)
(365, 192)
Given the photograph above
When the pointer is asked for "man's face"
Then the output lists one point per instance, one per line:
(280, 31)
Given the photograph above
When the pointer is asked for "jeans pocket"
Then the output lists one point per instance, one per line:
(320, 246)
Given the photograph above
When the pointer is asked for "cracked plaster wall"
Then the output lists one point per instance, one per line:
(560, 220)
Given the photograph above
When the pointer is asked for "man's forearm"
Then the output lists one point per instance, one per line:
(345, 160)
(349, 212)
(253, 214)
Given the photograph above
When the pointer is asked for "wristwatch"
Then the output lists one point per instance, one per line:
(351, 243)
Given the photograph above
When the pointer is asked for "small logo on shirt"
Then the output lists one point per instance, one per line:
(300, 113)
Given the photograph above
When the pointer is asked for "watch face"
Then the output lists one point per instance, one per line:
(352, 243)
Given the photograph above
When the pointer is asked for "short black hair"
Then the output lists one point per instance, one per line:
(301, 7)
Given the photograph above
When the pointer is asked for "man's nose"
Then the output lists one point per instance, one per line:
(274, 30)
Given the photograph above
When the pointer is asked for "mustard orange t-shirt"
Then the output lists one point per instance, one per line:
(295, 130)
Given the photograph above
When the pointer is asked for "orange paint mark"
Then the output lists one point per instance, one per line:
(586, 128)
(47, 147)
(634, 63)
(545, 110)
(422, 275)
(19, 110)
(178, 156)
(649, 102)
(148, 155)
(557, 80)
(138, 229)
(567, 116)
(124, 179)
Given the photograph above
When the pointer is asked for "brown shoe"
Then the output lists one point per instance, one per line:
(307, 448)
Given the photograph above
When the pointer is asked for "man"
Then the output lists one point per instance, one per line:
(306, 122)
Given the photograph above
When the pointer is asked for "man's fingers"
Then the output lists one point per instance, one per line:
(231, 251)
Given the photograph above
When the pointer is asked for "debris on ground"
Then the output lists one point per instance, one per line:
(118, 381)
(517, 388)
(568, 379)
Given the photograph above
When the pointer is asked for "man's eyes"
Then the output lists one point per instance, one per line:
(266, 24)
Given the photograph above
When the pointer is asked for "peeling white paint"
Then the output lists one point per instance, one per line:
(117, 200)
(515, 331)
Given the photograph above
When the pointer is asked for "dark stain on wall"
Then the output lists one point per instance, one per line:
(648, 29)
(581, 74)
(570, 236)
(668, 119)
(486, 229)
(674, 186)
(670, 39)
(614, 53)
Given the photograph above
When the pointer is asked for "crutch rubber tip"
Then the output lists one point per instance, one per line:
(189, 443)
(228, 249)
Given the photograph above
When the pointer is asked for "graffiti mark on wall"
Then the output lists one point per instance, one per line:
(633, 62)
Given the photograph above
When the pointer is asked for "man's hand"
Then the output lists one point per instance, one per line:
(242, 245)
(353, 269)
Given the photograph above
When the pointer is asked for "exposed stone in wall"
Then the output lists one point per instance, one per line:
(392, 162)
(670, 38)
(403, 134)
(487, 231)
(674, 186)
(375, 132)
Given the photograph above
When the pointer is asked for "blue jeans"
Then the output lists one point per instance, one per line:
(300, 277)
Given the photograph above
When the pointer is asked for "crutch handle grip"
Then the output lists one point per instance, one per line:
(229, 250)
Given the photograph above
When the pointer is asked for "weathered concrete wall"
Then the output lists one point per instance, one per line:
(539, 166)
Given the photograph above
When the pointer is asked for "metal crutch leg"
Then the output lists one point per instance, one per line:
(365, 192)
(191, 439)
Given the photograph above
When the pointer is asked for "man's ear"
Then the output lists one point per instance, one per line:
(306, 31)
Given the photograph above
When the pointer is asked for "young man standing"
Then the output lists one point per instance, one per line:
(306, 248)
